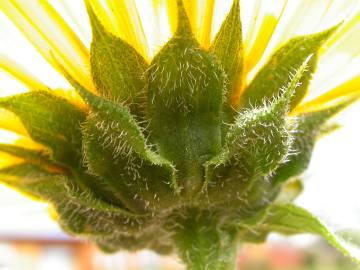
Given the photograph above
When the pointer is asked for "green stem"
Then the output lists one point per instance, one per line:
(202, 245)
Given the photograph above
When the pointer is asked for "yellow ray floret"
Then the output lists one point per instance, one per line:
(21, 74)
(262, 24)
(13, 138)
(11, 122)
(171, 10)
(7, 160)
(129, 24)
(28, 143)
(350, 87)
(349, 33)
(19, 140)
(258, 46)
(200, 15)
(192, 9)
(50, 35)
(254, 54)
(121, 17)
(164, 13)
(205, 22)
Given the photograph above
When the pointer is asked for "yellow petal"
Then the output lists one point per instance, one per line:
(16, 139)
(165, 14)
(350, 87)
(201, 14)
(72, 96)
(13, 138)
(74, 13)
(263, 21)
(255, 50)
(171, 10)
(221, 10)
(20, 73)
(50, 35)
(259, 21)
(28, 143)
(121, 17)
(7, 160)
(205, 21)
(192, 10)
(348, 32)
(34, 84)
(11, 122)
(339, 62)
(10, 86)
(259, 33)
(129, 24)
(301, 18)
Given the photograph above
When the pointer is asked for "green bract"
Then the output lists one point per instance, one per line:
(161, 159)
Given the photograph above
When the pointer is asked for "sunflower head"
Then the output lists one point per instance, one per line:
(179, 151)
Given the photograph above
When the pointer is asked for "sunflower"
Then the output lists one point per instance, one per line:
(175, 125)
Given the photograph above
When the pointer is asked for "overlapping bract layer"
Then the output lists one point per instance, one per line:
(163, 144)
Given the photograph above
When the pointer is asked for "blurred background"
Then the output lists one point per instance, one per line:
(31, 240)
(57, 252)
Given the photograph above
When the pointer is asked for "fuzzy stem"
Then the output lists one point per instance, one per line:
(202, 245)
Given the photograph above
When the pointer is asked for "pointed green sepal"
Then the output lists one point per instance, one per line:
(78, 210)
(183, 28)
(51, 121)
(30, 155)
(290, 219)
(260, 139)
(269, 80)
(115, 150)
(256, 144)
(228, 48)
(142, 182)
(117, 68)
(184, 104)
(310, 126)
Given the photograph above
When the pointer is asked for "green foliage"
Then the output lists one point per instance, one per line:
(256, 144)
(160, 160)
(35, 156)
(310, 126)
(51, 121)
(281, 64)
(80, 212)
(116, 67)
(202, 243)
(290, 219)
(185, 87)
(228, 48)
